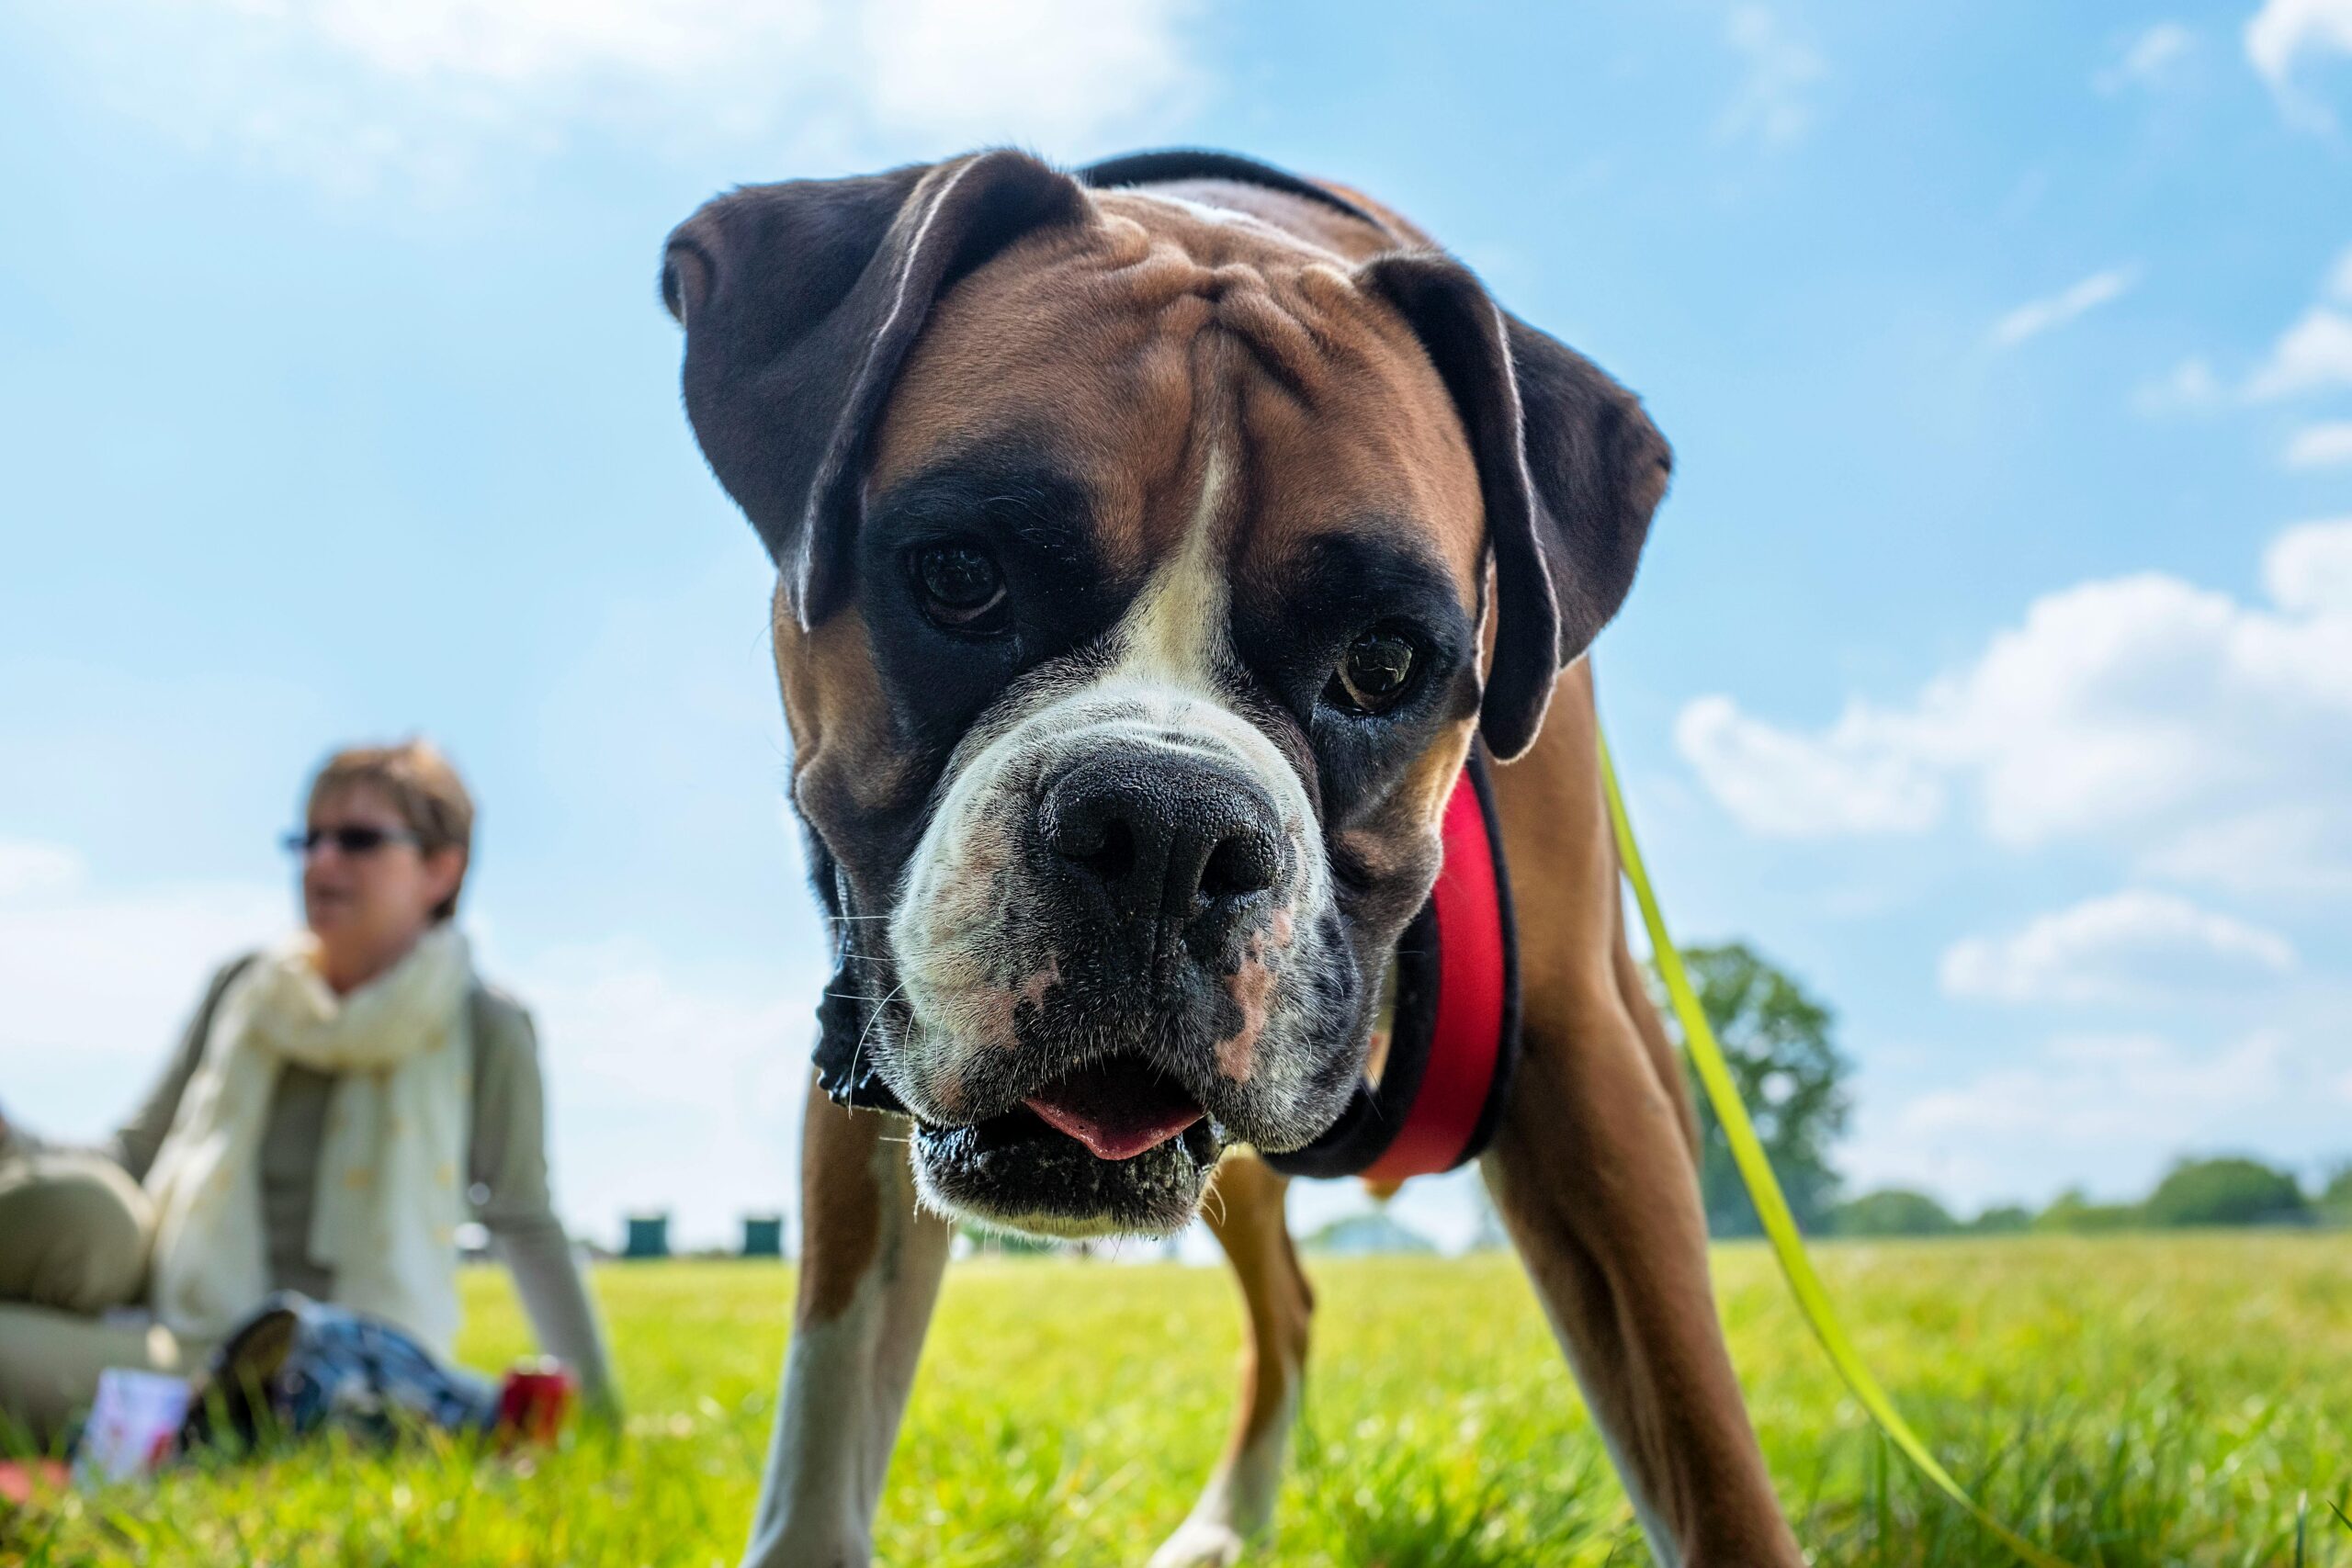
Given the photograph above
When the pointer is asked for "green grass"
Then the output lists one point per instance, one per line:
(2125, 1401)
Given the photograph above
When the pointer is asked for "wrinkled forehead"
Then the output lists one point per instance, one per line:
(1134, 354)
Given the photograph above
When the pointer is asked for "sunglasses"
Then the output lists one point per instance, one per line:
(360, 840)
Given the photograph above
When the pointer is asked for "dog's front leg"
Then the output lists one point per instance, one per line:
(870, 1264)
(1592, 1169)
(1244, 1209)
(1594, 1180)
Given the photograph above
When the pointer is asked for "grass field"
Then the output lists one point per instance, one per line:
(2124, 1401)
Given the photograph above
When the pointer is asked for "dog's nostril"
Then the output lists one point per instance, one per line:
(1105, 846)
(1142, 842)
(1240, 865)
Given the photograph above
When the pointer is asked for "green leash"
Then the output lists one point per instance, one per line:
(1764, 1189)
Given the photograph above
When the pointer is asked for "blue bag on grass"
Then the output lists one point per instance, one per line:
(298, 1367)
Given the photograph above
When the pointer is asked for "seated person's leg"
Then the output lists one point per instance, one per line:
(73, 1232)
(73, 1240)
(50, 1363)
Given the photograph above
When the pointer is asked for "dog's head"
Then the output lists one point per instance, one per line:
(1132, 624)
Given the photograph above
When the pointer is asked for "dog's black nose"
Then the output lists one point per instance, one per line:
(1161, 841)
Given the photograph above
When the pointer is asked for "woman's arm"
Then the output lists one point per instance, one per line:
(134, 1144)
(509, 1169)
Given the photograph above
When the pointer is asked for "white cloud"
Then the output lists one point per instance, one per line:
(2102, 1086)
(2109, 1112)
(1773, 104)
(2190, 386)
(2313, 354)
(2296, 846)
(27, 868)
(1853, 779)
(673, 1089)
(2038, 316)
(1052, 71)
(2151, 59)
(2285, 32)
(360, 93)
(2323, 445)
(2308, 569)
(517, 42)
(99, 983)
(2203, 737)
(2125, 947)
(628, 1023)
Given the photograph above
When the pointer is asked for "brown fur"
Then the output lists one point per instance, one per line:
(1594, 1171)
(1245, 1212)
(1101, 336)
(840, 1206)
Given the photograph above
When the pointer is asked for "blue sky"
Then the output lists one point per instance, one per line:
(1991, 667)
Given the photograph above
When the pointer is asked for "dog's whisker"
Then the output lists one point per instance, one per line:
(1213, 1196)
(873, 1018)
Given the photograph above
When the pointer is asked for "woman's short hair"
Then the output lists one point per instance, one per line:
(423, 787)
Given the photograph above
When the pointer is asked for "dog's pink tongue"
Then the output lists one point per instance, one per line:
(1118, 1113)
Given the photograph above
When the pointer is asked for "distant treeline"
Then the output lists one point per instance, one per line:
(2225, 1191)
(1780, 1042)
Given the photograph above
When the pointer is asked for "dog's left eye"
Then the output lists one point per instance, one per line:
(1376, 670)
(961, 586)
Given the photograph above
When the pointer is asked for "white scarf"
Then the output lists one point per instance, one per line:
(389, 1197)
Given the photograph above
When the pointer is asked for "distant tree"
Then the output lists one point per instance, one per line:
(2227, 1191)
(1894, 1211)
(2072, 1212)
(2336, 1198)
(1360, 1235)
(1778, 1043)
(2003, 1219)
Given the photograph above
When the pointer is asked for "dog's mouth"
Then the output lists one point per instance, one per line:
(1116, 1146)
(1117, 1108)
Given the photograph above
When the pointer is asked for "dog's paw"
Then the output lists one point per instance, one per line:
(1199, 1543)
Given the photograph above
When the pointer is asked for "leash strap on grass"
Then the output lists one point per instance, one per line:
(1764, 1189)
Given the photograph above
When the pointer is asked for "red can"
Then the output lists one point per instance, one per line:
(535, 1400)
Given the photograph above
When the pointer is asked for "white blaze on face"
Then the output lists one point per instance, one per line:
(956, 949)
(1174, 635)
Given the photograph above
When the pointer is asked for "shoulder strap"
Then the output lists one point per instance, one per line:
(479, 1021)
(199, 1029)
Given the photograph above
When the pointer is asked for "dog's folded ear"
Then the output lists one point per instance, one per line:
(1571, 467)
(800, 300)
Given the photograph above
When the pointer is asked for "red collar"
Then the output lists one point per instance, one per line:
(1454, 1037)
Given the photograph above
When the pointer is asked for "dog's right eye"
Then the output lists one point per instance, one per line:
(961, 586)
(1375, 673)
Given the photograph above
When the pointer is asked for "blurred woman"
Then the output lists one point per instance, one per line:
(339, 1104)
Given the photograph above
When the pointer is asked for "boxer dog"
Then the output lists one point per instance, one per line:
(1153, 544)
